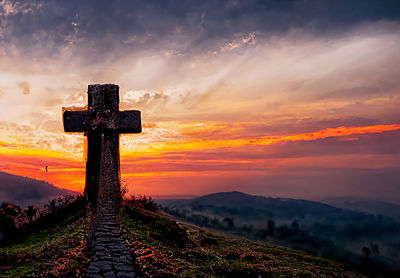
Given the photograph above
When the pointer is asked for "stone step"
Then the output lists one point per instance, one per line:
(110, 252)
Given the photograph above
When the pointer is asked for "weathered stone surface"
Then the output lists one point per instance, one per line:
(126, 274)
(123, 267)
(93, 268)
(110, 274)
(128, 122)
(76, 121)
(120, 260)
(102, 123)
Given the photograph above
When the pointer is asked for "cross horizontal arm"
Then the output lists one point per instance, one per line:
(78, 121)
(129, 122)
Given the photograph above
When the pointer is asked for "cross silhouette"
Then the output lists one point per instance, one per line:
(102, 123)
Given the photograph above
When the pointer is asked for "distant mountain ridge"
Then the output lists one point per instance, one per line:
(367, 206)
(301, 224)
(236, 199)
(25, 191)
(294, 207)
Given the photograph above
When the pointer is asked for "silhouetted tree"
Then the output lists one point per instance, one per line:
(204, 220)
(295, 224)
(229, 222)
(271, 226)
(31, 212)
(52, 205)
(215, 222)
(366, 251)
(247, 228)
(374, 248)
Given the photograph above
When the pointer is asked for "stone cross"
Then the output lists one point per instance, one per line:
(102, 124)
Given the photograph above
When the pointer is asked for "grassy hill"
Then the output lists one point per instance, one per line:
(168, 248)
(299, 224)
(163, 247)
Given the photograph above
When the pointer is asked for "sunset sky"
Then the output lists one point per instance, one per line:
(283, 98)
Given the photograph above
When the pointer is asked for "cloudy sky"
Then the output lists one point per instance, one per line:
(277, 98)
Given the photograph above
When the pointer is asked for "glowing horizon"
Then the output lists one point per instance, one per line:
(148, 160)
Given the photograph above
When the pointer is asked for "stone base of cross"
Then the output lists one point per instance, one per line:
(102, 124)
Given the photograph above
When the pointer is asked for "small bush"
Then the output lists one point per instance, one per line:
(141, 201)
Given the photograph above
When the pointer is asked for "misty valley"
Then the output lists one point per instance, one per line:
(354, 236)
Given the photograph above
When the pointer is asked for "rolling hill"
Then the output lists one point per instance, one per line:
(25, 191)
(301, 224)
(236, 200)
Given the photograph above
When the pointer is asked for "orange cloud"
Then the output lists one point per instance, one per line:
(198, 166)
(201, 144)
(182, 160)
(63, 171)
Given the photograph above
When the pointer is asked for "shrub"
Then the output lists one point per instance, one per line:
(16, 223)
(141, 201)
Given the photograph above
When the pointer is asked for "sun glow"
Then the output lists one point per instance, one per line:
(175, 158)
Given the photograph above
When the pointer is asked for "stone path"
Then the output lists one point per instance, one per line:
(110, 252)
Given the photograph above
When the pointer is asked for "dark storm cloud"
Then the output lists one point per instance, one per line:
(94, 27)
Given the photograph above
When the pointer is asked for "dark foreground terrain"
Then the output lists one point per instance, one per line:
(161, 247)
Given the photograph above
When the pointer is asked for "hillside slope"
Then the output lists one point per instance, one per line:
(25, 191)
(299, 224)
(167, 248)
